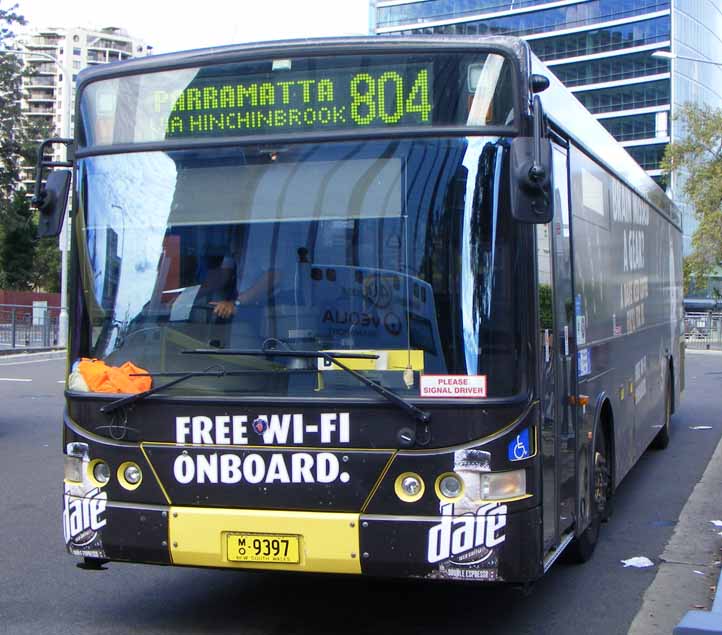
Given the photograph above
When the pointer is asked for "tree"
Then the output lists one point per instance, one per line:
(698, 157)
(45, 272)
(46, 266)
(25, 262)
(11, 117)
(17, 250)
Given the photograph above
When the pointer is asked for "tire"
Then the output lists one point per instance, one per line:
(661, 440)
(582, 547)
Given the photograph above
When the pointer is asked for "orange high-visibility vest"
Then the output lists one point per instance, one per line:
(103, 378)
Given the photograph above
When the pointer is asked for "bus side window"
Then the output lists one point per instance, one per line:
(546, 305)
(544, 268)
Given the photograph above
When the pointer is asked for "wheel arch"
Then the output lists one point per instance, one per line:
(603, 419)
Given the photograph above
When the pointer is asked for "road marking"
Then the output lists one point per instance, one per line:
(13, 379)
(60, 381)
(34, 361)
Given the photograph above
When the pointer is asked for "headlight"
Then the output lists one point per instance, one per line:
(409, 487)
(449, 487)
(129, 475)
(100, 471)
(498, 485)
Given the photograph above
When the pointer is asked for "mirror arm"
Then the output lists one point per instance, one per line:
(38, 199)
(537, 173)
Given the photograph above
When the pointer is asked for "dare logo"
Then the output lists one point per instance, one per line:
(83, 516)
(467, 539)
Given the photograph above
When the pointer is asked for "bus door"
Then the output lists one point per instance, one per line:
(558, 377)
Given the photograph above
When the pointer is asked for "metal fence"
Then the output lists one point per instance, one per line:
(25, 326)
(36, 326)
(703, 330)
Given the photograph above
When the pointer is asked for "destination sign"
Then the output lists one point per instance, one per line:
(347, 92)
(288, 101)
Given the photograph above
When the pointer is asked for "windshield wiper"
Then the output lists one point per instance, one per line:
(180, 376)
(421, 416)
(126, 401)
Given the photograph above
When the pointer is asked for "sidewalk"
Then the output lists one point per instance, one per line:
(690, 564)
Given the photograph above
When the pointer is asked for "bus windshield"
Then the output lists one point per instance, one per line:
(398, 249)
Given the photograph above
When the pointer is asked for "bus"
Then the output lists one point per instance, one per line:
(380, 306)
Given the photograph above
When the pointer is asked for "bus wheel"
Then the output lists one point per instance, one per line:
(661, 441)
(582, 547)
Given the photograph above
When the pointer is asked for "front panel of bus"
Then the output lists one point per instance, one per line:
(241, 225)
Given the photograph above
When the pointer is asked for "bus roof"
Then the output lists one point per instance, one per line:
(568, 114)
(307, 46)
(560, 105)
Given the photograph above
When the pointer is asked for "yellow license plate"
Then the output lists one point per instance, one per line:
(247, 547)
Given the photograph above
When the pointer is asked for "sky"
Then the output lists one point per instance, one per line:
(183, 25)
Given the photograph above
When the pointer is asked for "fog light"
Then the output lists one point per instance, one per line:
(500, 485)
(129, 475)
(409, 487)
(449, 486)
(101, 472)
(132, 474)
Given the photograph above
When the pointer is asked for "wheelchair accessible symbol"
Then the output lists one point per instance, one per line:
(518, 448)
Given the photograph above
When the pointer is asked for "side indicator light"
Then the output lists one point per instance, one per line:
(500, 485)
(579, 400)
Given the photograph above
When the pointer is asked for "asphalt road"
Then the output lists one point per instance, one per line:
(41, 590)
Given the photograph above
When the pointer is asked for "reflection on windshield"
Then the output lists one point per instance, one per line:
(128, 211)
(481, 217)
(395, 248)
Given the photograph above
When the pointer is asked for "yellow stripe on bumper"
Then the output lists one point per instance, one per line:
(329, 542)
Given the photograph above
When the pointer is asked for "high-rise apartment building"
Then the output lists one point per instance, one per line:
(55, 56)
(603, 50)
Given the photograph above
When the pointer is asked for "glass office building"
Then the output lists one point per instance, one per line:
(603, 51)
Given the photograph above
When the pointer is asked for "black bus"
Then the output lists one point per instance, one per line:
(401, 306)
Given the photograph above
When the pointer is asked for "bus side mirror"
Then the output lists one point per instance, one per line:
(52, 202)
(531, 165)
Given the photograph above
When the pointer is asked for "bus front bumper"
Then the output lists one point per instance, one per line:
(505, 547)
